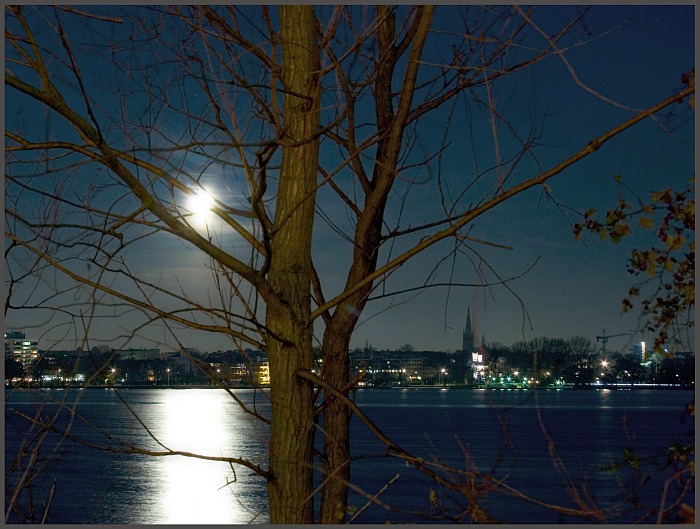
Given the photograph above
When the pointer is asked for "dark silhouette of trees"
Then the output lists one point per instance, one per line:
(13, 369)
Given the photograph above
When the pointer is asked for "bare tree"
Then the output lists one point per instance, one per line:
(134, 128)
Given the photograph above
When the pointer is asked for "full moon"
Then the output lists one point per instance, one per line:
(200, 204)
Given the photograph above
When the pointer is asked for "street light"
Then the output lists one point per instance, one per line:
(168, 372)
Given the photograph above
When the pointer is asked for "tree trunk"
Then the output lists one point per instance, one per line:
(336, 340)
(336, 425)
(290, 331)
(336, 370)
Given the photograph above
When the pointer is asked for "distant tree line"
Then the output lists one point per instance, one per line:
(575, 361)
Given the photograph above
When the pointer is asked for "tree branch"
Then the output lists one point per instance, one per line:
(470, 215)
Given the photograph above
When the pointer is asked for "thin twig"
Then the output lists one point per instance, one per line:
(48, 504)
(373, 499)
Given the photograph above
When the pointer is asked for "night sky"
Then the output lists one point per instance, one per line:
(572, 288)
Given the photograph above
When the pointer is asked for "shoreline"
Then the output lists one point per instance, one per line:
(586, 387)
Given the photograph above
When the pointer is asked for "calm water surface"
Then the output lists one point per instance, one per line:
(504, 432)
(100, 487)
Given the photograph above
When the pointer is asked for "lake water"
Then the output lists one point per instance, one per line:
(503, 432)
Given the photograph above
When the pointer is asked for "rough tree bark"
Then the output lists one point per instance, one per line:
(289, 340)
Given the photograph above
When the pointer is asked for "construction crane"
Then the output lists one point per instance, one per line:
(605, 338)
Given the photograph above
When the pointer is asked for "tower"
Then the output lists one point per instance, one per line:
(18, 348)
(468, 335)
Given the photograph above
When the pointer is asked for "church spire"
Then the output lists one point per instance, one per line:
(468, 335)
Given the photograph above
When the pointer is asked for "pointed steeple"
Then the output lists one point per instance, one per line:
(468, 335)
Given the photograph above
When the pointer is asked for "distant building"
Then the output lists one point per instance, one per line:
(18, 348)
(139, 354)
(412, 370)
(412, 363)
(468, 342)
(239, 373)
(181, 359)
(639, 352)
(263, 374)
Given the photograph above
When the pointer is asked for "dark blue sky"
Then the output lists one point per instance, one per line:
(574, 287)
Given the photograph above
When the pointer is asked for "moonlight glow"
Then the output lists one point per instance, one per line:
(200, 205)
